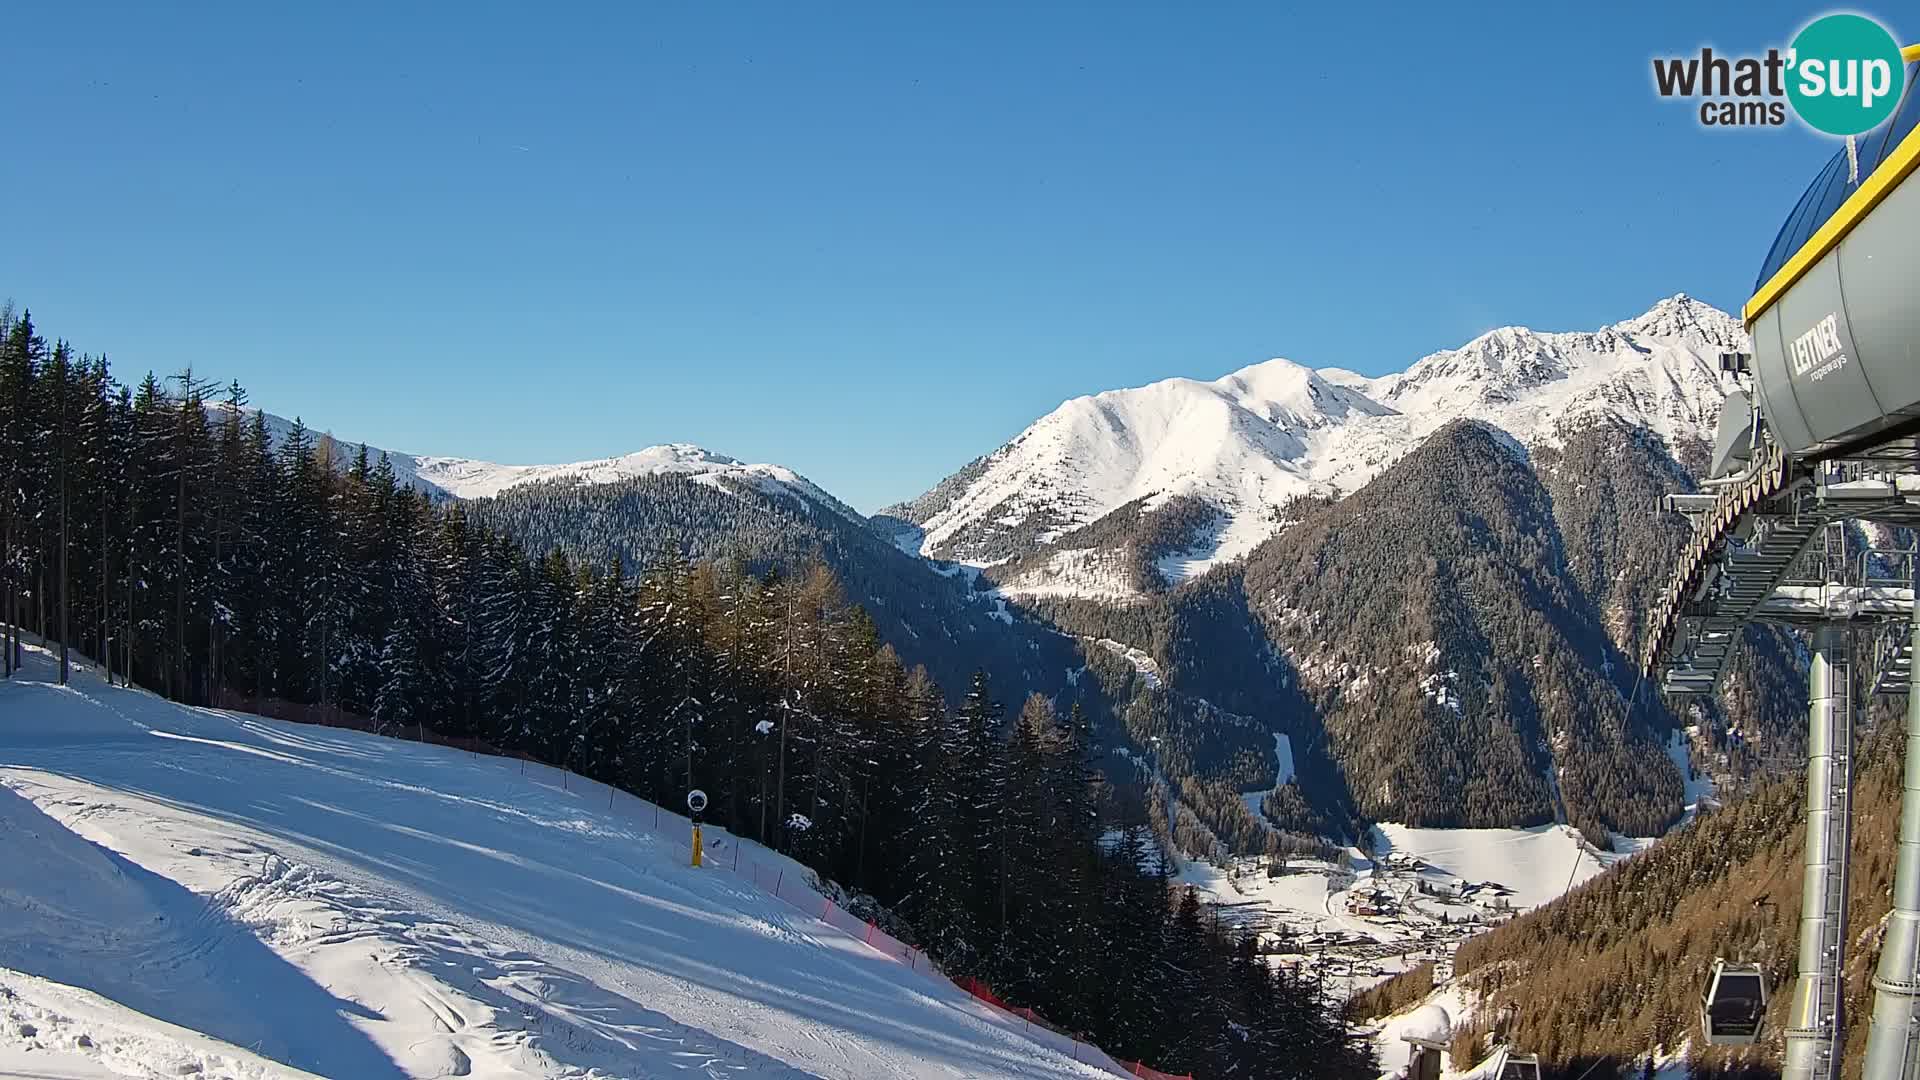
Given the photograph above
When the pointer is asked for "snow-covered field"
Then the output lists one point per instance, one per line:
(192, 892)
(1537, 864)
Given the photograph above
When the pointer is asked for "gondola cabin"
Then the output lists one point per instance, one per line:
(1733, 1012)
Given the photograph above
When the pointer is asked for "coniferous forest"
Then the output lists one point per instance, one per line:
(159, 532)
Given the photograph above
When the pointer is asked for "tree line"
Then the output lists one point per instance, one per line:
(165, 534)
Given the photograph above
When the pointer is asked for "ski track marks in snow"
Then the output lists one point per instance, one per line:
(365, 908)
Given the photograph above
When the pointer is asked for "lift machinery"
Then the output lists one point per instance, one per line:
(1823, 433)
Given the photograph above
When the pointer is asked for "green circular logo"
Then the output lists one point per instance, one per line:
(1845, 74)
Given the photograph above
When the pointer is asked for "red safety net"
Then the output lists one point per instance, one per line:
(985, 993)
(982, 991)
(1151, 1073)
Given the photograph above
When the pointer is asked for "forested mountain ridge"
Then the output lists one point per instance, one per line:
(946, 619)
(937, 620)
(1452, 661)
(1606, 479)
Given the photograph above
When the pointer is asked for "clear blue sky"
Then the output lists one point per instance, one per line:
(870, 241)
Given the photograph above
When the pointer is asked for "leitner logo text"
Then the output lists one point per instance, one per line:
(1818, 350)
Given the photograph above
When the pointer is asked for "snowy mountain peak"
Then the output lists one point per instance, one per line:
(1291, 394)
(1495, 366)
(1248, 441)
(671, 455)
(467, 478)
(1682, 316)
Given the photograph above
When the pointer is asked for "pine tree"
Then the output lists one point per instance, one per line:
(982, 761)
(22, 439)
(405, 682)
(190, 548)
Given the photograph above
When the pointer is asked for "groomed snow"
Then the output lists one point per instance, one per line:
(366, 908)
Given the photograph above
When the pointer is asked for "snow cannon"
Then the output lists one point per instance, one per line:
(696, 805)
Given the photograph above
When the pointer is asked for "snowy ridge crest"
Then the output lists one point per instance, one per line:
(465, 478)
(1249, 441)
(470, 478)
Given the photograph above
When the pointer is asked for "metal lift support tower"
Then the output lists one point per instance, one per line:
(1824, 432)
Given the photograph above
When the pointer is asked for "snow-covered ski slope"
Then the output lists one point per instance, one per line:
(181, 883)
